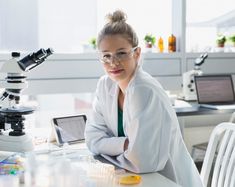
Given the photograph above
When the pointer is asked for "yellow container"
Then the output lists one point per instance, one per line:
(171, 43)
(160, 45)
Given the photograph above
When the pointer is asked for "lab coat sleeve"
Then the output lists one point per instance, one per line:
(149, 131)
(99, 138)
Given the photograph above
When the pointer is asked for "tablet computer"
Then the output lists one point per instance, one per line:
(69, 129)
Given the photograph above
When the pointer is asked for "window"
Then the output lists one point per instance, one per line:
(149, 16)
(205, 21)
(65, 25)
(18, 25)
(80, 103)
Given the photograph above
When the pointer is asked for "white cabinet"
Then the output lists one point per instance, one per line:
(74, 73)
(216, 63)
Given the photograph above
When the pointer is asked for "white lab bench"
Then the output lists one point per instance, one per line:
(147, 180)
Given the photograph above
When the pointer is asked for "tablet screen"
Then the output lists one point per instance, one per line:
(70, 129)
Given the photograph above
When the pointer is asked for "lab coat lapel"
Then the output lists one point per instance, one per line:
(114, 91)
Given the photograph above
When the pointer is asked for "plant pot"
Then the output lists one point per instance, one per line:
(148, 45)
(220, 44)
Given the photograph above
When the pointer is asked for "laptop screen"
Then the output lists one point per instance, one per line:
(214, 89)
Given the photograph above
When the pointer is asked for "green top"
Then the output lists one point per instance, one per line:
(120, 123)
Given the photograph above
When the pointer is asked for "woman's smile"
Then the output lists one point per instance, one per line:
(116, 71)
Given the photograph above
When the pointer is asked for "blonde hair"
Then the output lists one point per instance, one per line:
(117, 25)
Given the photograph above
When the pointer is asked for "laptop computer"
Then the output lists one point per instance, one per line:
(215, 91)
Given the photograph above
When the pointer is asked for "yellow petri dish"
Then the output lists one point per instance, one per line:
(130, 179)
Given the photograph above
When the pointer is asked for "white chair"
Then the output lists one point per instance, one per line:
(219, 161)
(232, 118)
(203, 146)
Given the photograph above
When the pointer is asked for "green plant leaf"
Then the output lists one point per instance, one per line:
(149, 38)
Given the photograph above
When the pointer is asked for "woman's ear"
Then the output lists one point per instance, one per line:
(137, 53)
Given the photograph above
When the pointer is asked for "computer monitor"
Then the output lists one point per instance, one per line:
(215, 89)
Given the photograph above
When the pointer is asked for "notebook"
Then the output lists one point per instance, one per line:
(215, 91)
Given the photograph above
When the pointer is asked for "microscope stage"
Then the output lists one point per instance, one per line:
(21, 111)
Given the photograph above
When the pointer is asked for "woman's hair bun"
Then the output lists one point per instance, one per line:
(116, 16)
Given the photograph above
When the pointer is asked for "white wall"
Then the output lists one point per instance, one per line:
(23, 35)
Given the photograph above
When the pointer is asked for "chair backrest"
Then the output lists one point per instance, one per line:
(219, 161)
(232, 118)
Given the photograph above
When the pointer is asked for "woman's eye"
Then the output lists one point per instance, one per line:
(106, 56)
(121, 53)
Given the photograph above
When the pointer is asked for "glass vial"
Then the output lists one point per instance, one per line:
(160, 45)
(171, 43)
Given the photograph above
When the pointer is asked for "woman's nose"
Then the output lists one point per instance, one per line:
(114, 61)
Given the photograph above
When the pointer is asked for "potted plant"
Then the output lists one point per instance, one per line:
(221, 39)
(92, 42)
(90, 45)
(232, 39)
(150, 40)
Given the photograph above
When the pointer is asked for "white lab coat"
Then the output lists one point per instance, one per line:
(151, 125)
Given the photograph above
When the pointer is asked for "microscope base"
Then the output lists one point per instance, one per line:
(22, 143)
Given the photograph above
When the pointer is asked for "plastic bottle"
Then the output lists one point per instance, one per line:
(171, 43)
(160, 45)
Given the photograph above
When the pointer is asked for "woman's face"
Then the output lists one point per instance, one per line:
(119, 58)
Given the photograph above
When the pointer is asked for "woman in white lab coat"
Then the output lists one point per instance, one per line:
(133, 124)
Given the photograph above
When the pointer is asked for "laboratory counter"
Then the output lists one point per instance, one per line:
(184, 108)
(73, 165)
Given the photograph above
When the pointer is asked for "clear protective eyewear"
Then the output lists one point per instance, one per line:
(108, 58)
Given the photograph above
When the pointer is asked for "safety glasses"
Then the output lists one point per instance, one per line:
(122, 55)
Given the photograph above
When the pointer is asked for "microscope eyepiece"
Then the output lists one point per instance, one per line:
(34, 59)
(49, 51)
(41, 53)
(200, 60)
